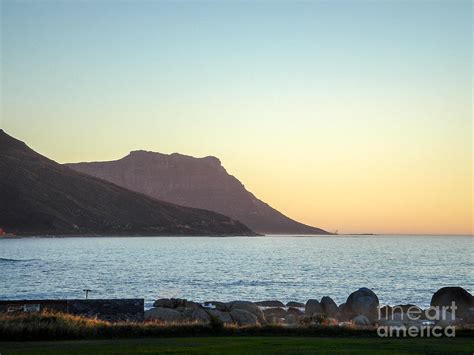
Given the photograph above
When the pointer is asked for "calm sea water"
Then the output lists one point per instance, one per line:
(399, 269)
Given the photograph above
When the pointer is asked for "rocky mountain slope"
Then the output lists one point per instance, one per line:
(39, 196)
(194, 182)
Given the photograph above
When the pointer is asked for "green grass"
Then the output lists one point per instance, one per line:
(244, 345)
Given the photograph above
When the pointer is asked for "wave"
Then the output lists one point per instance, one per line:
(7, 260)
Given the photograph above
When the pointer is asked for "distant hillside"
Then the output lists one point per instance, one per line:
(194, 182)
(39, 196)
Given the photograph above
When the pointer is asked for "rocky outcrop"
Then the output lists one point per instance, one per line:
(175, 303)
(242, 317)
(273, 303)
(182, 310)
(194, 182)
(200, 315)
(344, 313)
(363, 302)
(329, 307)
(250, 307)
(463, 300)
(164, 315)
(224, 317)
(271, 314)
(313, 307)
(361, 309)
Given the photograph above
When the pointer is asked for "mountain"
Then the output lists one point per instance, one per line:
(39, 196)
(194, 182)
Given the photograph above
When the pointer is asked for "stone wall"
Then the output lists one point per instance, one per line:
(113, 310)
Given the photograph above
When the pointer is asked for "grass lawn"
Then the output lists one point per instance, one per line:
(243, 345)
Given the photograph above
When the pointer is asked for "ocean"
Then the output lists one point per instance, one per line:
(399, 269)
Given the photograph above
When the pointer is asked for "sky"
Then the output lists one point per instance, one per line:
(353, 116)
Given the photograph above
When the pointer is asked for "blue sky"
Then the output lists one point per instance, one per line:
(374, 90)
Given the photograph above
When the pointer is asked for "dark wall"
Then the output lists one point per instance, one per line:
(113, 310)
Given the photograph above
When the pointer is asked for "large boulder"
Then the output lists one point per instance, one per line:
(273, 314)
(224, 317)
(196, 315)
(242, 317)
(361, 320)
(164, 302)
(448, 319)
(469, 317)
(328, 306)
(175, 303)
(344, 314)
(445, 296)
(296, 311)
(295, 304)
(248, 307)
(164, 314)
(272, 303)
(363, 302)
(313, 307)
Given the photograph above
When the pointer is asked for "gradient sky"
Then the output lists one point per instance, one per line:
(347, 115)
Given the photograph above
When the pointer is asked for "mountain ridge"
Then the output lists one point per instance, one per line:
(194, 182)
(42, 197)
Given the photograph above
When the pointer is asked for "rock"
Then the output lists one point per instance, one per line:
(295, 311)
(224, 317)
(242, 317)
(363, 302)
(163, 314)
(272, 314)
(164, 302)
(175, 303)
(220, 306)
(249, 307)
(295, 304)
(187, 313)
(273, 303)
(385, 312)
(462, 299)
(191, 304)
(361, 320)
(448, 319)
(400, 317)
(312, 307)
(469, 317)
(344, 314)
(200, 315)
(328, 306)
(407, 308)
(179, 302)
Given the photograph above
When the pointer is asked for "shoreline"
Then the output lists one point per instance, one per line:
(65, 236)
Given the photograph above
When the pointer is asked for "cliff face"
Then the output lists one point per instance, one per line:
(39, 196)
(194, 182)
